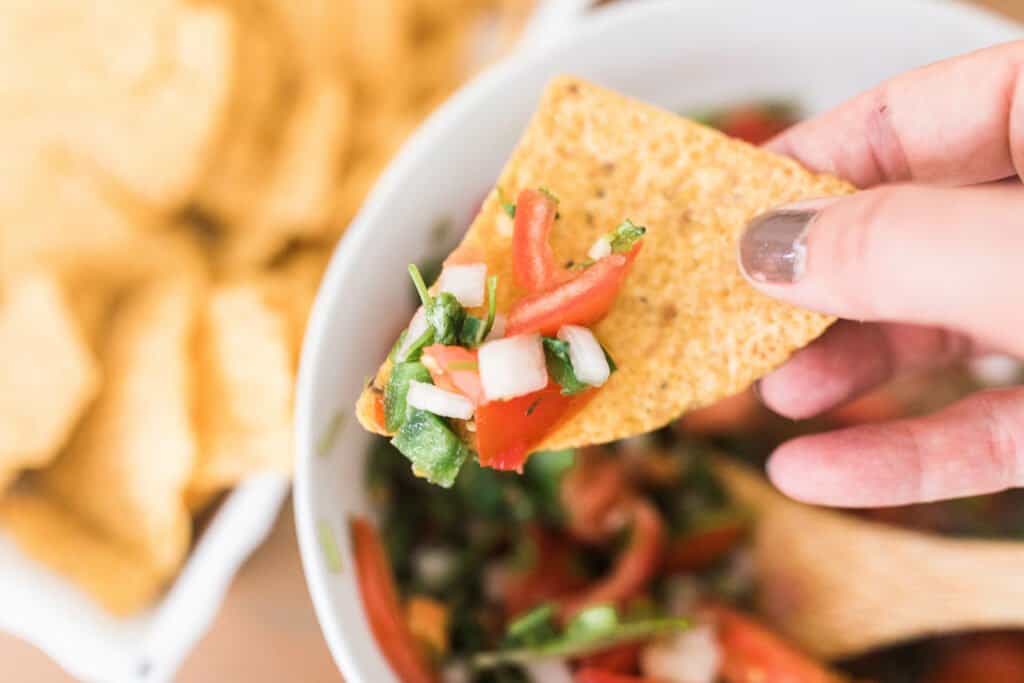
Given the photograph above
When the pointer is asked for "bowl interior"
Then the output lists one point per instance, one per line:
(684, 56)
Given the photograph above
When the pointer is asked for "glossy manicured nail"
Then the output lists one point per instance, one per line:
(773, 248)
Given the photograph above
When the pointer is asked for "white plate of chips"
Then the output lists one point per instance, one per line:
(174, 178)
(684, 56)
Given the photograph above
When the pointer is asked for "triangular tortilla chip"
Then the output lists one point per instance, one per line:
(116, 576)
(47, 373)
(126, 468)
(244, 398)
(686, 329)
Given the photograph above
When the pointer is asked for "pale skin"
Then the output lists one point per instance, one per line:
(930, 258)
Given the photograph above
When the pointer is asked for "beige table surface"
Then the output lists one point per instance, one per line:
(266, 632)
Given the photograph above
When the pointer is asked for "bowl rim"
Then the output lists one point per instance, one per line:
(437, 124)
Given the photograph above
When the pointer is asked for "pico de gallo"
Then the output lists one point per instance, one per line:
(622, 564)
(466, 381)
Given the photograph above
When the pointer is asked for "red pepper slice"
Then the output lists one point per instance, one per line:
(451, 368)
(701, 549)
(621, 659)
(533, 261)
(383, 609)
(590, 675)
(581, 301)
(635, 567)
(752, 652)
(506, 431)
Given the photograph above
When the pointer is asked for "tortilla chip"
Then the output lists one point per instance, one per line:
(686, 329)
(244, 403)
(127, 466)
(139, 89)
(116, 576)
(47, 373)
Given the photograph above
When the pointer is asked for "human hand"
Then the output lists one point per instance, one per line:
(931, 260)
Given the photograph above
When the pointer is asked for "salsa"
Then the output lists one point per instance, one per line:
(466, 382)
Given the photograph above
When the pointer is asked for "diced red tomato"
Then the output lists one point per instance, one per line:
(750, 652)
(383, 608)
(701, 549)
(461, 378)
(635, 567)
(533, 260)
(506, 431)
(551, 575)
(622, 659)
(592, 675)
(753, 124)
(982, 658)
(583, 300)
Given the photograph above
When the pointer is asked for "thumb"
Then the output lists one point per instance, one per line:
(926, 255)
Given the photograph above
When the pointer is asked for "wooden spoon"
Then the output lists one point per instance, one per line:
(839, 585)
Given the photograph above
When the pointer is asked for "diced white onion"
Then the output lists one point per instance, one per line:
(434, 564)
(996, 370)
(497, 329)
(456, 672)
(549, 671)
(417, 326)
(465, 283)
(601, 248)
(692, 656)
(438, 401)
(586, 355)
(512, 367)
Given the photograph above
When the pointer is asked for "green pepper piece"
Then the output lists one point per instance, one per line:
(533, 628)
(435, 451)
(395, 408)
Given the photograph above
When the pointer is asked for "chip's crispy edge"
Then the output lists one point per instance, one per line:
(687, 329)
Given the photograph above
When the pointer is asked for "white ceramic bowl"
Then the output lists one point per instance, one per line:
(683, 55)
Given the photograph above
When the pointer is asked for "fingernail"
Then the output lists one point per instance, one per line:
(773, 248)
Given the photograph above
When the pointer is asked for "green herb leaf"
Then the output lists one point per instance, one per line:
(492, 307)
(591, 622)
(625, 236)
(536, 627)
(507, 206)
(446, 315)
(474, 330)
(556, 353)
(593, 630)
(436, 453)
(421, 286)
(395, 407)
(470, 332)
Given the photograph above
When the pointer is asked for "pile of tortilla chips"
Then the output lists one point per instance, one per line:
(175, 173)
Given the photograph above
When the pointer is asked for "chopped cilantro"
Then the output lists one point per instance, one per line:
(445, 315)
(594, 629)
(536, 627)
(421, 286)
(556, 353)
(625, 236)
(474, 330)
(508, 207)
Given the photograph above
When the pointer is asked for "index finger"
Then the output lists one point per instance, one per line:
(955, 122)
